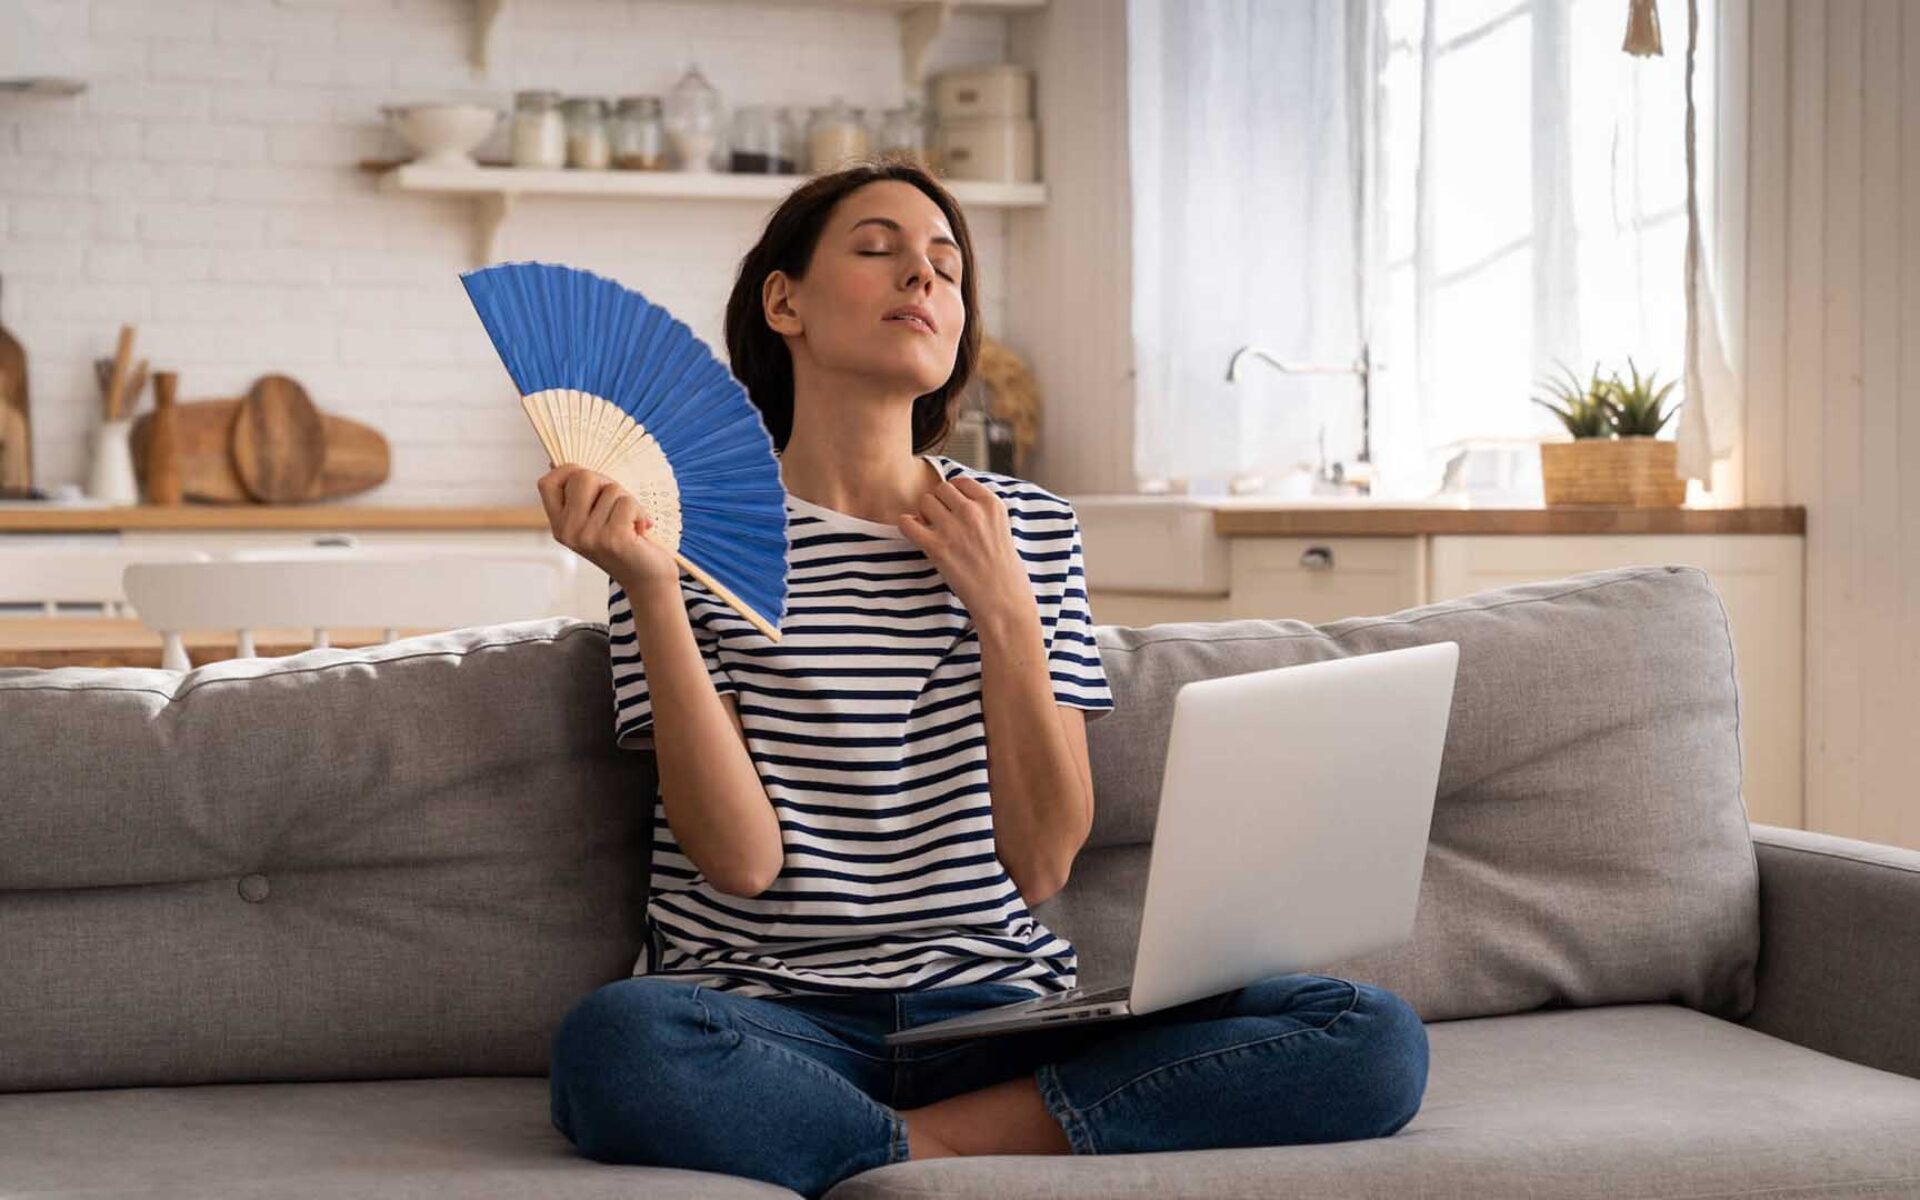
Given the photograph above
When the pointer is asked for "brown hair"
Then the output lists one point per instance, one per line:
(759, 357)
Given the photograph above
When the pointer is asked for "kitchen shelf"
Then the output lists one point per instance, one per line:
(497, 188)
(920, 23)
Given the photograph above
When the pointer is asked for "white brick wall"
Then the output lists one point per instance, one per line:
(204, 187)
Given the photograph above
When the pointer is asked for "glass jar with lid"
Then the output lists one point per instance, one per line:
(588, 145)
(639, 136)
(763, 143)
(903, 131)
(537, 135)
(695, 120)
(836, 136)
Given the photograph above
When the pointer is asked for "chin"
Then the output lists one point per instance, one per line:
(913, 374)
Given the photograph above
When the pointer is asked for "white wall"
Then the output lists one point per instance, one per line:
(205, 188)
(1832, 369)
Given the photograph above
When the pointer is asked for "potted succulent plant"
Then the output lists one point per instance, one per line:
(1616, 456)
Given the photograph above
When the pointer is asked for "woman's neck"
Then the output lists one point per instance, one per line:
(856, 458)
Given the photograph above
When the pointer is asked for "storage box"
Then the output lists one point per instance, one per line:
(1003, 90)
(1000, 149)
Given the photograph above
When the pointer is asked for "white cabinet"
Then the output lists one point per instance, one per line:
(1315, 579)
(1759, 578)
(1320, 579)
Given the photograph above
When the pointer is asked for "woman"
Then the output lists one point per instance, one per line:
(828, 862)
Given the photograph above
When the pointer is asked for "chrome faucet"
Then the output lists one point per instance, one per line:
(1363, 366)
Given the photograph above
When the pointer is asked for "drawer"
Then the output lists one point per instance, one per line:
(1325, 579)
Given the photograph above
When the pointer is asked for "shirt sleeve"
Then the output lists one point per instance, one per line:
(632, 701)
(1073, 658)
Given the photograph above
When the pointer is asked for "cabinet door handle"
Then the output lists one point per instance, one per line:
(1317, 558)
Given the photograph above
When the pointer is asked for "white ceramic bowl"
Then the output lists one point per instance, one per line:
(443, 134)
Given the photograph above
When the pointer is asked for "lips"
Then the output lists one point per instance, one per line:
(914, 317)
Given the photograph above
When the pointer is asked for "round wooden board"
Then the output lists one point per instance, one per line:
(279, 441)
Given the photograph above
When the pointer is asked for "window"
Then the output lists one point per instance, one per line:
(1477, 190)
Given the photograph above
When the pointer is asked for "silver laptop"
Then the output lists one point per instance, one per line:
(1292, 832)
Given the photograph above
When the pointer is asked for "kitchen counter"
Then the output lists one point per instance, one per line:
(1232, 516)
(29, 517)
(1385, 520)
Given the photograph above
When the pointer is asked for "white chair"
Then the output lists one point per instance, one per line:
(321, 588)
(50, 576)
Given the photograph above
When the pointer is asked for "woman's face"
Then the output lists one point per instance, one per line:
(885, 246)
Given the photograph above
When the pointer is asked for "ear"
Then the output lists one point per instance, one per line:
(776, 302)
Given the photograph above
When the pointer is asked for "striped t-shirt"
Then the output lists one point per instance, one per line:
(864, 723)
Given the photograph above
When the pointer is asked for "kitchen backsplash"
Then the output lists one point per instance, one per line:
(205, 186)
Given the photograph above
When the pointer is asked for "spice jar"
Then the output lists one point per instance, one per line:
(763, 143)
(835, 137)
(537, 135)
(639, 137)
(694, 120)
(587, 143)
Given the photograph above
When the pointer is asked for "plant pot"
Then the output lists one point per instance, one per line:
(1634, 472)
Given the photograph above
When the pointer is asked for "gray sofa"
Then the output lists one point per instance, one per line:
(303, 927)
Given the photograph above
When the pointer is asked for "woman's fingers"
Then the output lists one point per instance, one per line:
(626, 515)
(578, 493)
(973, 489)
(602, 508)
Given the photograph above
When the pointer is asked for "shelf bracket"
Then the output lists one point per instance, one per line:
(491, 213)
(919, 26)
(486, 15)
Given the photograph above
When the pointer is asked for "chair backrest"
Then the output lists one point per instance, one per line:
(49, 576)
(322, 588)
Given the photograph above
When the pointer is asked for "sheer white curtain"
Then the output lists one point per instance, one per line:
(1241, 137)
(1479, 189)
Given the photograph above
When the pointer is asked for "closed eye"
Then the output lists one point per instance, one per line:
(869, 253)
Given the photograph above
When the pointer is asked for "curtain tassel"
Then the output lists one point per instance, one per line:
(1643, 29)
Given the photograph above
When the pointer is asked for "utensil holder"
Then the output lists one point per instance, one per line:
(111, 478)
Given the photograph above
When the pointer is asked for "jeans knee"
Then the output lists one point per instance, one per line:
(617, 1052)
(1396, 1056)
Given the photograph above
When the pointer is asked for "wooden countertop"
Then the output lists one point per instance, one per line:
(1386, 521)
(1238, 520)
(57, 518)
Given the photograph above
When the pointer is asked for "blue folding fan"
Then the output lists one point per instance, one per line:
(617, 384)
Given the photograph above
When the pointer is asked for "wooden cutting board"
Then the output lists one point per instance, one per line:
(354, 456)
(16, 466)
(278, 441)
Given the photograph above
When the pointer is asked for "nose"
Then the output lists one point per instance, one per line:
(921, 275)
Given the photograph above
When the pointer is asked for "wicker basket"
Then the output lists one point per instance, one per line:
(1635, 472)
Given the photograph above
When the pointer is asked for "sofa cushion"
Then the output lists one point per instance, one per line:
(418, 1138)
(382, 862)
(1589, 842)
(1637, 1100)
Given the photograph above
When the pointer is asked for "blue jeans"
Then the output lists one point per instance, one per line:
(802, 1090)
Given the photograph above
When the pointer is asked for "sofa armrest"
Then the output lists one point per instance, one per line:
(1839, 966)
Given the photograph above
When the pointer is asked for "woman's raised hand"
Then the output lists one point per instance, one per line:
(601, 521)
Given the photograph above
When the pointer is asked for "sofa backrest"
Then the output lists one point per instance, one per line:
(1589, 843)
(390, 862)
(411, 859)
